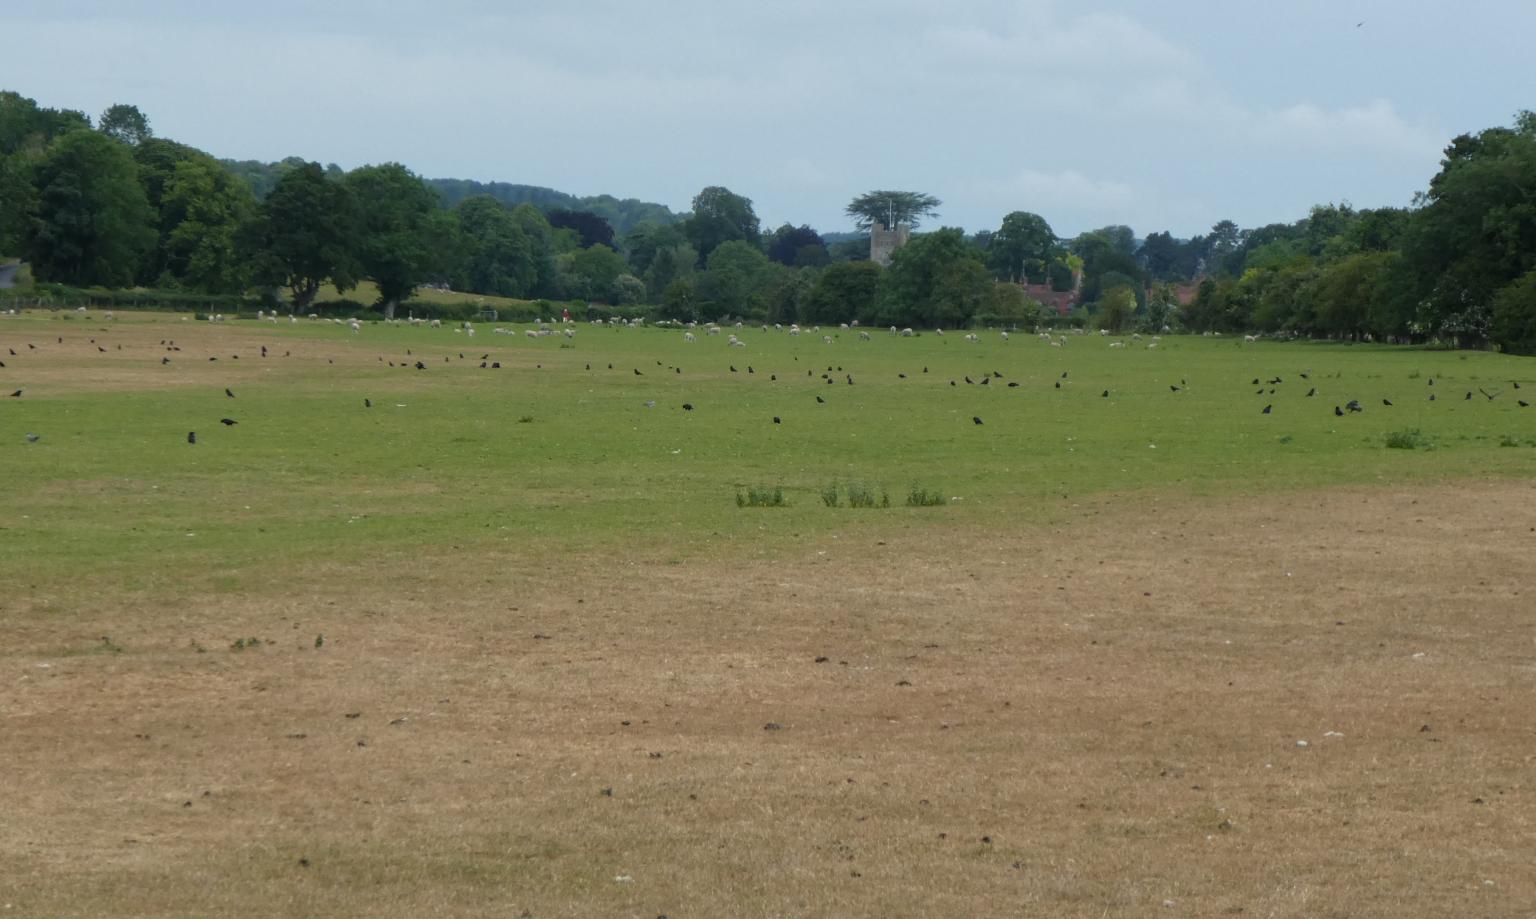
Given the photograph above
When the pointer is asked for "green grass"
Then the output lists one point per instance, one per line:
(446, 460)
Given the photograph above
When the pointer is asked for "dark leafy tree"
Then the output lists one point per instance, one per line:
(306, 233)
(91, 224)
(496, 254)
(789, 245)
(203, 209)
(393, 206)
(593, 230)
(843, 292)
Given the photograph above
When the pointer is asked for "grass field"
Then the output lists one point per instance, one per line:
(504, 643)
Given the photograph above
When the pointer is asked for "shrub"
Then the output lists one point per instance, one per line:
(1409, 439)
(761, 496)
(922, 497)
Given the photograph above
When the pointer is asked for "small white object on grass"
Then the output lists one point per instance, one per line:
(1302, 743)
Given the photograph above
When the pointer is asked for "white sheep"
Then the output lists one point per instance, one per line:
(688, 337)
(863, 336)
(907, 332)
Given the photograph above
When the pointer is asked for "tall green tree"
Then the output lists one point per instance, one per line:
(797, 247)
(1021, 247)
(203, 209)
(306, 233)
(720, 216)
(843, 292)
(1476, 230)
(125, 123)
(91, 224)
(393, 207)
(735, 280)
(496, 254)
(931, 281)
(889, 208)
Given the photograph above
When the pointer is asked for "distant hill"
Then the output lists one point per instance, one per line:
(623, 214)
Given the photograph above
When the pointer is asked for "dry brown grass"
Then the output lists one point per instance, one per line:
(1082, 720)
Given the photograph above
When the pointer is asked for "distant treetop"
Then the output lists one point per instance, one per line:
(892, 207)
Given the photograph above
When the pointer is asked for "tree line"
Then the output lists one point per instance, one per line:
(112, 205)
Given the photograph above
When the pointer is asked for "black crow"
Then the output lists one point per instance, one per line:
(1522, 403)
(1173, 388)
(1468, 398)
(986, 381)
(191, 437)
(821, 400)
(1311, 392)
(1058, 384)
(968, 380)
(1106, 394)
(976, 419)
(367, 403)
(1431, 397)
(901, 376)
(16, 394)
(733, 368)
(773, 377)
(1063, 374)
(228, 422)
(1354, 405)
(1014, 384)
(638, 373)
(229, 394)
(687, 406)
(1387, 402)
(32, 438)
(776, 420)
(749, 369)
(1266, 410)
(1338, 412)
(420, 366)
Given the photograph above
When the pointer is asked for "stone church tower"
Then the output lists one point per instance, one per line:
(884, 241)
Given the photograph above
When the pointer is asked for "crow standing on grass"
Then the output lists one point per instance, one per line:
(228, 394)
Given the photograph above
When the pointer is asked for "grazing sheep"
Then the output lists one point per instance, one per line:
(570, 333)
(1117, 344)
(436, 323)
(688, 337)
(826, 339)
(1250, 338)
(531, 333)
(1005, 335)
(863, 336)
(907, 333)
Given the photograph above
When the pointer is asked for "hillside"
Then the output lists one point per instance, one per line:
(622, 214)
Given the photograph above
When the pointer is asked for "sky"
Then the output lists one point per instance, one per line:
(1164, 115)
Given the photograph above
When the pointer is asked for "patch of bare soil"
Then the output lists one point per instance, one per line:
(1298, 705)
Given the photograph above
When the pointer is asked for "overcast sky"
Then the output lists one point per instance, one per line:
(1162, 115)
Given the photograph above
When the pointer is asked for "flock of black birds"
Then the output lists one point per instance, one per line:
(1270, 386)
